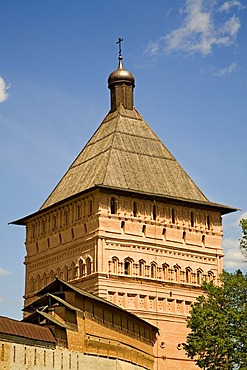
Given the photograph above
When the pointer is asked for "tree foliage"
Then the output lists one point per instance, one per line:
(243, 240)
(218, 323)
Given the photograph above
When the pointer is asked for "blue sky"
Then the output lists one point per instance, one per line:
(189, 61)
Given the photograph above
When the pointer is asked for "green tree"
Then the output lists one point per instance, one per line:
(218, 324)
(243, 240)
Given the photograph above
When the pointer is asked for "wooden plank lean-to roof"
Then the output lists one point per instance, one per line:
(25, 330)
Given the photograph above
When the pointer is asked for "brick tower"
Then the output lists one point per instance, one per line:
(128, 224)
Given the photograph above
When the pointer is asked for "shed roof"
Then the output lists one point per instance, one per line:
(25, 330)
(58, 286)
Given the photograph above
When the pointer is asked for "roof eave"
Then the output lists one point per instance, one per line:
(224, 208)
(221, 207)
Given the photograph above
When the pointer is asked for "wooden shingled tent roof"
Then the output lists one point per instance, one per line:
(124, 153)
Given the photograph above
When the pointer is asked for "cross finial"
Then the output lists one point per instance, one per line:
(120, 46)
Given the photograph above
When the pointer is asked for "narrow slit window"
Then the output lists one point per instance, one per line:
(208, 222)
(134, 209)
(66, 218)
(164, 233)
(35, 357)
(173, 216)
(184, 236)
(144, 230)
(123, 226)
(90, 207)
(113, 205)
(154, 212)
(203, 239)
(54, 222)
(192, 222)
(78, 211)
(2, 352)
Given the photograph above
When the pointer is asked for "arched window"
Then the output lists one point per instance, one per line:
(115, 262)
(66, 273)
(141, 268)
(210, 276)
(188, 275)
(58, 273)
(33, 231)
(73, 271)
(199, 276)
(44, 280)
(192, 221)
(38, 282)
(154, 212)
(134, 209)
(177, 273)
(153, 270)
(82, 265)
(52, 276)
(89, 265)
(32, 284)
(165, 269)
(173, 216)
(128, 266)
(113, 205)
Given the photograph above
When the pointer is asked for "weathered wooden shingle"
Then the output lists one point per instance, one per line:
(125, 153)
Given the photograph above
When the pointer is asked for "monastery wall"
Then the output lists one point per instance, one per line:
(17, 356)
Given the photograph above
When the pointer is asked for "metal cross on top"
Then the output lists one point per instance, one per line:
(119, 44)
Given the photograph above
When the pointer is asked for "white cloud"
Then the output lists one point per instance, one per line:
(199, 32)
(3, 90)
(226, 71)
(233, 259)
(230, 4)
(231, 27)
(240, 217)
(152, 48)
(4, 272)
